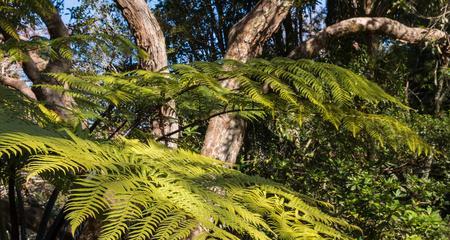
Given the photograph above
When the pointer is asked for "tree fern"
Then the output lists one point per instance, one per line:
(121, 182)
(267, 88)
(144, 190)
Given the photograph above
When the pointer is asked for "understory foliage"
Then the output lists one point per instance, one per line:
(389, 194)
(328, 154)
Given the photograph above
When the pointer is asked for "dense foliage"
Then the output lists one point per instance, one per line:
(353, 143)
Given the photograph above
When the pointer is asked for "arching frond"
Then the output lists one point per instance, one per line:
(150, 191)
(266, 89)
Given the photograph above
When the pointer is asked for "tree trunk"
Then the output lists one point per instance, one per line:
(150, 38)
(225, 133)
(441, 80)
(37, 69)
(57, 101)
(378, 25)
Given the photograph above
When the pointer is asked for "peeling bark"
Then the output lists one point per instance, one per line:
(225, 133)
(150, 38)
(148, 33)
(376, 25)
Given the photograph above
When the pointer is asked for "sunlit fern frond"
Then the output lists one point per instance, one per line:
(9, 29)
(145, 191)
(19, 16)
(15, 104)
(305, 88)
(385, 130)
(327, 83)
(266, 89)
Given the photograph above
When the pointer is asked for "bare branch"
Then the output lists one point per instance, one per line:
(377, 25)
(19, 85)
(31, 69)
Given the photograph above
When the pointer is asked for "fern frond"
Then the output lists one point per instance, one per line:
(149, 191)
(278, 87)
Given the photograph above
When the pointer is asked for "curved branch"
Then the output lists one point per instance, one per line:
(34, 67)
(37, 68)
(377, 25)
(19, 85)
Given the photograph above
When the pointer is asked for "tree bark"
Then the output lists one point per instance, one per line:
(148, 33)
(150, 38)
(376, 25)
(442, 82)
(59, 102)
(18, 85)
(225, 133)
(9, 77)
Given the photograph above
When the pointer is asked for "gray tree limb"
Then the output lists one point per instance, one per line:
(377, 25)
(59, 102)
(19, 85)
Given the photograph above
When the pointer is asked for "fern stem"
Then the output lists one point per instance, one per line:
(3, 233)
(47, 213)
(107, 112)
(56, 226)
(184, 91)
(12, 204)
(63, 233)
(21, 212)
(136, 123)
(200, 121)
(117, 130)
